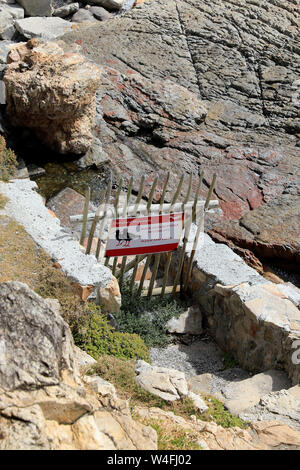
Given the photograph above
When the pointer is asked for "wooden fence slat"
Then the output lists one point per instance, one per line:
(187, 228)
(157, 256)
(197, 194)
(116, 215)
(94, 224)
(136, 261)
(147, 264)
(124, 259)
(150, 199)
(138, 258)
(196, 240)
(130, 265)
(210, 191)
(157, 291)
(107, 200)
(85, 213)
(169, 256)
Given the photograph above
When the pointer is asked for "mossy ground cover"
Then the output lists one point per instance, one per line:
(170, 437)
(147, 318)
(93, 333)
(8, 161)
(21, 260)
(122, 374)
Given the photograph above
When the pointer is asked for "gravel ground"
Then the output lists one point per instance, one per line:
(200, 357)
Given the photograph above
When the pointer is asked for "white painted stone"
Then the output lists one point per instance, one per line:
(26, 206)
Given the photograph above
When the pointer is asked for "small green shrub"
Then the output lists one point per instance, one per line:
(8, 161)
(93, 333)
(172, 437)
(147, 318)
(218, 413)
(121, 373)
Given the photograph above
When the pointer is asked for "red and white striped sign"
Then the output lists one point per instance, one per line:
(144, 235)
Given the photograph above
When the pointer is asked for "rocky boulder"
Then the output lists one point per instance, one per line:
(261, 435)
(168, 384)
(53, 93)
(42, 27)
(109, 4)
(283, 406)
(244, 394)
(8, 15)
(248, 81)
(189, 322)
(46, 345)
(44, 404)
(34, 8)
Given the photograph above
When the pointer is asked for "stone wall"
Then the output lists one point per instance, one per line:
(255, 320)
(26, 206)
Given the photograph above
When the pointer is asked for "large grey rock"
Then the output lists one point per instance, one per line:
(100, 13)
(35, 343)
(66, 10)
(8, 14)
(83, 359)
(45, 28)
(63, 85)
(44, 404)
(242, 395)
(249, 83)
(4, 50)
(189, 322)
(37, 7)
(202, 383)
(109, 4)
(14, 10)
(168, 384)
(82, 15)
(282, 406)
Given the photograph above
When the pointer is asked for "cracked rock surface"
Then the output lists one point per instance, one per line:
(232, 68)
(44, 403)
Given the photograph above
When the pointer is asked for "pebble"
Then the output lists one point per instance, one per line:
(198, 358)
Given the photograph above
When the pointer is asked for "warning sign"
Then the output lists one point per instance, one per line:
(144, 235)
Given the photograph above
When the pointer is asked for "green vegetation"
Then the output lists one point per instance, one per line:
(90, 328)
(173, 438)
(121, 373)
(93, 333)
(8, 162)
(147, 318)
(220, 415)
(229, 361)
